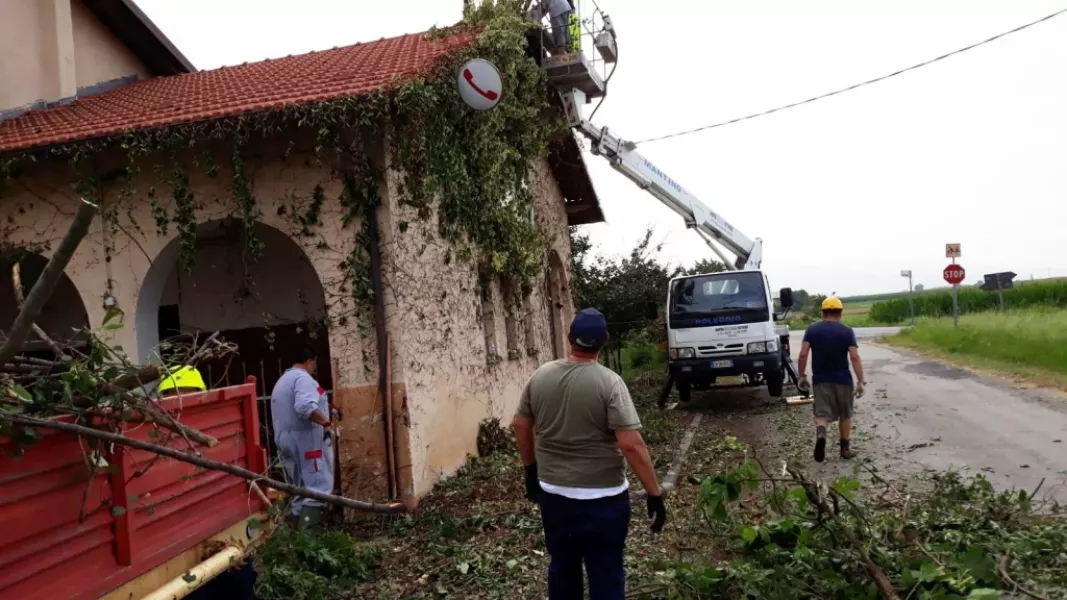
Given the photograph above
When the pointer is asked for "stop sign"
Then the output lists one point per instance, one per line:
(954, 274)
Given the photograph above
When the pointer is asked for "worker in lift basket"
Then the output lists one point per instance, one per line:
(834, 345)
(300, 414)
(565, 30)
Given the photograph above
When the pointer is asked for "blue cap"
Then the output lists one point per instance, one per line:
(589, 329)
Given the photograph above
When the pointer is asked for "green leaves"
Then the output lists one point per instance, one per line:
(21, 394)
(846, 486)
(312, 565)
(718, 491)
(246, 203)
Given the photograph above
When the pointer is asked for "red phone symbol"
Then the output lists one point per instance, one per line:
(490, 95)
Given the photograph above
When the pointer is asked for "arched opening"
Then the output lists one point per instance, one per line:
(558, 302)
(269, 308)
(64, 315)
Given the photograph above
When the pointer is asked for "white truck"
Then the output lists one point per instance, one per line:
(718, 324)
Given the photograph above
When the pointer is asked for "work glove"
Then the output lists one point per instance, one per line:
(657, 511)
(860, 389)
(802, 383)
(533, 486)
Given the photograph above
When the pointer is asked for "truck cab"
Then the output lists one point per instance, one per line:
(723, 325)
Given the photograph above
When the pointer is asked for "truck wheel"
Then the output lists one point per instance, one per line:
(774, 384)
(685, 392)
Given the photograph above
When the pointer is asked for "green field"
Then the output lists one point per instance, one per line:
(1050, 293)
(1022, 342)
(869, 299)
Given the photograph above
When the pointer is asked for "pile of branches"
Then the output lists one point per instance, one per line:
(792, 536)
(98, 390)
(87, 378)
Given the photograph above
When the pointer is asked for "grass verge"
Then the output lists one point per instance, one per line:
(1031, 344)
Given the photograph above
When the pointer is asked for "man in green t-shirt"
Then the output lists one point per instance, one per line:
(576, 429)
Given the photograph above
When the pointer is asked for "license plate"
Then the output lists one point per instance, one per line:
(722, 364)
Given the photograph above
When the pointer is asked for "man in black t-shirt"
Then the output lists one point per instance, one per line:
(834, 345)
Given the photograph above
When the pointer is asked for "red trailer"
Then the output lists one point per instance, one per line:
(137, 521)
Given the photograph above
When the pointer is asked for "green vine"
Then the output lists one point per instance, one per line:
(475, 166)
(246, 202)
(311, 217)
(159, 213)
(184, 219)
(360, 198)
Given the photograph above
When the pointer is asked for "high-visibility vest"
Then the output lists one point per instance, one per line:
(576, 34)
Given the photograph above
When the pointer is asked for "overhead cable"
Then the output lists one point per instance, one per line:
(858, 85)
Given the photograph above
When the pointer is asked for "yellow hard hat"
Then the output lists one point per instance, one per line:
(184, 378)
(832, 303)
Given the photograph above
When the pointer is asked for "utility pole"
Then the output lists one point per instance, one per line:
(911, 293)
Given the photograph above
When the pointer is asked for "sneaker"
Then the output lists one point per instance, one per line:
(820, 449)
(847, 453)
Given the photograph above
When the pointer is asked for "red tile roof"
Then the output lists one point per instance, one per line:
(270, 84)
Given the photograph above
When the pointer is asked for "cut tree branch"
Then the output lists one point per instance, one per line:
(203, 463)
(1002, 570)
(819, 499)
(48, 280)
(20, 302)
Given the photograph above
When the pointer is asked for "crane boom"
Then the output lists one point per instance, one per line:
(626, 160)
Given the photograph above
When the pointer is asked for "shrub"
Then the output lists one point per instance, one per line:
(643, 355)
(307, 565)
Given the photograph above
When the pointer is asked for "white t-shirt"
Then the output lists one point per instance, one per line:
(585, 493)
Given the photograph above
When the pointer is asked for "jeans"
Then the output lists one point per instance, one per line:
(561, 32)
(592, 532)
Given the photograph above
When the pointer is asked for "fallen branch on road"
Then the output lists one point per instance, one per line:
(842, 541)
(1002, 570)
(818, 498)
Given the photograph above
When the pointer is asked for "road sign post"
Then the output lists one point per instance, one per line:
(955, 274)
(998, 282)
(911, 292)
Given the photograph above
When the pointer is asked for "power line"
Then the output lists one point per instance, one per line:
(858, 85)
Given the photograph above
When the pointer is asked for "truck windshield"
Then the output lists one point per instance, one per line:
(707, 295)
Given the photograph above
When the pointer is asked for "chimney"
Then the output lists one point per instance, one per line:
(57, 51)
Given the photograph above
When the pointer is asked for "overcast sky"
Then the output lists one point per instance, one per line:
(845, 192)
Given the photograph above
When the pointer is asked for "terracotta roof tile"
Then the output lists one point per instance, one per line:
(313, 77)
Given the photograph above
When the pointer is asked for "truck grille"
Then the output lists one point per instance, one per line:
(721, 350)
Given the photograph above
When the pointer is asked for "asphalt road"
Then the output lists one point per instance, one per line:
(923, 413)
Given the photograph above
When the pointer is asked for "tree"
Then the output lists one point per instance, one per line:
(813, 311)
(919, 287)
(801, 300)
(706, 265)
(623, 288)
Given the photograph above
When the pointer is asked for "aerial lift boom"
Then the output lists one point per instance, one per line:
(575, 76)
(622, 156)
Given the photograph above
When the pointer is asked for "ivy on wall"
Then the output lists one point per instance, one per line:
(469, 169)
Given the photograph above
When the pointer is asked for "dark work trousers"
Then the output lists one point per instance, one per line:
(589, 531)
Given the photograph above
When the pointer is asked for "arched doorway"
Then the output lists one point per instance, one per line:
(268, 308)
(64, 315)
(559, 303)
